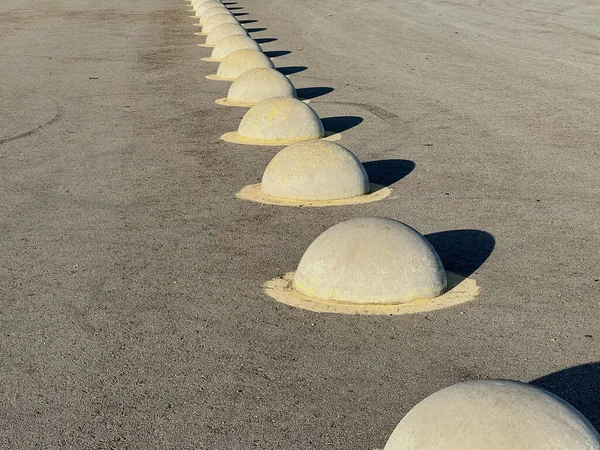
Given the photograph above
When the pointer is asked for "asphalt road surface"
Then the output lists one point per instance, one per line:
(132, 313)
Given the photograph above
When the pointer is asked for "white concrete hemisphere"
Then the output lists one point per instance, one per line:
(315, 170)
(218, 19)
(206, 6)
(215, 10)
(370, 260)
(230, 44)
(260, 84)
(240, 61)
(280, 120)
(222, 31)
(196, 4)
(493, 415)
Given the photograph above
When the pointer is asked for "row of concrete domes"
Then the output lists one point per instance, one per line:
(371, 260)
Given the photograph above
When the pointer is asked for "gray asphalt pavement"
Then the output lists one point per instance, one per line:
(131, 311)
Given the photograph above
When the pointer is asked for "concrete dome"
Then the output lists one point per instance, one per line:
(315, 170)
(202, 8)
(240, 61)
(370, 261)
(218, 19)
(222, 31)
(213, 12)
(493, 415)
(256, 85)
(278, 121)
(230, 44)
(196, 4)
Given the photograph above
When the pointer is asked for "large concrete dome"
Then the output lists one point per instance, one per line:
(370, 261)
(218, 19)
(281, 119)
(201, 9)
(493, 415)
(240, 61)
(315, 170)
(230, 44)
(213, 12)
(222, 31)
(257, 85)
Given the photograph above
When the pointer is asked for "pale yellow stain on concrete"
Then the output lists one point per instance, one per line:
(227, 102)
(254, 194)
(235, 138)
(460, 290)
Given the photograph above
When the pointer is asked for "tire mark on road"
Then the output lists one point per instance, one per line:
(32, 131)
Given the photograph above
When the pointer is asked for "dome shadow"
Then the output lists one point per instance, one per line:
(462, 251)
(313, 92)
(341, 123)
(265, 40)
(292, 69)
(579, 386)
(388, 171)
(277, 53)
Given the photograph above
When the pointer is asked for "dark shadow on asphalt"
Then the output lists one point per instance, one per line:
(386, 172)
(255, 30)
(264, 40)
(292, 69)
(579, 386)
(313, 92)
(240, 14)
(341, 123)
(276, 53)
(462, 251)
(244, 22)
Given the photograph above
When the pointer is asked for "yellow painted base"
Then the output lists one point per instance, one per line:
(226, 102)
(234, 138)
(254, 194)
(460, 290)
(210, 58)
(216, 77)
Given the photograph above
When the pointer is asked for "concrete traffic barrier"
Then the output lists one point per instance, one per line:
(212, 12)
(230, 44)
(493, 415)
(256, 85)
(240, 61)
(315, 170)
(196, 3)
(279, 121)
(216, 20)
(221, 32)
(370, 260)
(201, 9)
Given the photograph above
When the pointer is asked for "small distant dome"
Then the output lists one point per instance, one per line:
(197, 3)
(370, 260)
(230, 44)
(218, 19)
(256, 85)
(201, 9)
(224, 30)
(240, 61)
(213, 12)
(282, 119)
(493, 415)
(315, 170)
